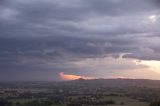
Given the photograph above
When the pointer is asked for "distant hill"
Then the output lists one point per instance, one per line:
(117, 82)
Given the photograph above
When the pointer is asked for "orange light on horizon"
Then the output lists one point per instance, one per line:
(71, 76)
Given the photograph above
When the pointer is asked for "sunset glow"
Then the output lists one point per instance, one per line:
(71, 76)
(154, 65)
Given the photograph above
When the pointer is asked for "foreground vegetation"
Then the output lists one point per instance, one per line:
(81, 93)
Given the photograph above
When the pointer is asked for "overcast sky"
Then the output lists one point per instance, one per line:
(48, 40)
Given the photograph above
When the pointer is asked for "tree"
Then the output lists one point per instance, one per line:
(155, 103)
(4, 102)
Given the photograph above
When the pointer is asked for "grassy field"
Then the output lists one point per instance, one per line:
(125, 101)
(119, 101)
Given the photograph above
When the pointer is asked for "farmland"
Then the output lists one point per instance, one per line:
(99, 92)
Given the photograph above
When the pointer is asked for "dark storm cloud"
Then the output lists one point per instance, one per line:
(120, 7)
(35, 33)
(51, 17)
(51, 48)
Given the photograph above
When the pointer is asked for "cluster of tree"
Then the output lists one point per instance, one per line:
(4, 102)
(109, 102)
(155, 103)
(38, 103)
(86, 101)
(74, 104)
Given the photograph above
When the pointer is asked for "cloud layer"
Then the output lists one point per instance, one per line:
(46, 36)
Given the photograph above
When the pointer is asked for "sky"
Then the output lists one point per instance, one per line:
(53, 40)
